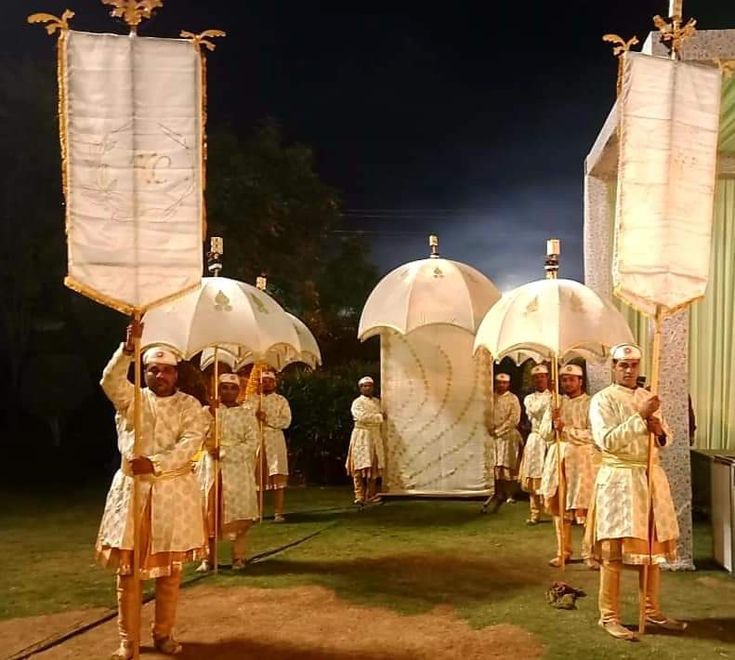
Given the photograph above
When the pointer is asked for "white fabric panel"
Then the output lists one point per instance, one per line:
(134, 192)
(669, 121)
(435, 396)
(428, 291)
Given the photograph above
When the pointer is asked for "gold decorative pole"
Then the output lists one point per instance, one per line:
(551, 266)
(137, 500)
(214, 266)
(261, 283)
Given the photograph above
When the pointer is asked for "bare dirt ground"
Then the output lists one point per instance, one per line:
(305, 622)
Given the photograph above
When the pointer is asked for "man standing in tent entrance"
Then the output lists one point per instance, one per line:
(538, 410)
(505, 440)
(172, 521)
(580, 459)
(273, 412)
(365, 456)
(238, 499)
(622, 418)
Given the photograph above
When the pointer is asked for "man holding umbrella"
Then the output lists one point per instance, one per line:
(172, 526)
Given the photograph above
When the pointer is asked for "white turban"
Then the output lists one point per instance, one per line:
(365, 380)
(230, 378)
(625, 352)
(572, 370)
(268, 374)
(503, 378)
(159, 355)
(540, 369)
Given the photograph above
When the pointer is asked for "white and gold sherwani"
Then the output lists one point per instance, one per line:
(505, 439)
(238, 443)
(366, 455)
(620, 494)
(278, 418)
(538, 410)
(580, 457)
(171, 503)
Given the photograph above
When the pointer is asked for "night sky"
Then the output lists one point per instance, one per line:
(470, 120)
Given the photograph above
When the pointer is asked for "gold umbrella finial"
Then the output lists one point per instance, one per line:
(214, 256)
(434, 245)
(553, 251)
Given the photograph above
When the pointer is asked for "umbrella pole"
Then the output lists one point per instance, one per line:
(215, 559)
(561, 486)
(137, 437)
(261, 471)
(655, 375)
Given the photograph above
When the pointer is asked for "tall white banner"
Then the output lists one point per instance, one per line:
(132, 132)
(669, 123)
(436, 397)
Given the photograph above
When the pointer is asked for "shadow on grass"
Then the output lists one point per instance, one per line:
(416, 581)
(722, 630)
(422, 514)
(237, 649)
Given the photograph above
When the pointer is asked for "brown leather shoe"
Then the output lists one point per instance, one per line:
(666, 623)
(167, 646)
(618, 631)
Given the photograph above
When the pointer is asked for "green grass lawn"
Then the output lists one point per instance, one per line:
(409, 556)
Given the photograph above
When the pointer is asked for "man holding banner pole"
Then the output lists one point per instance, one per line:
(170, 505)
(622, 417)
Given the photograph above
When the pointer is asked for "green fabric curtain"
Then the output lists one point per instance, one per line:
(712, 321)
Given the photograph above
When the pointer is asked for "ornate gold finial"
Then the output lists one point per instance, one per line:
(261, 282)
(620, 46)
(133, 12)
(726, 67)
(202, 39)
(434, 246)
(673, 33)
(54, 22)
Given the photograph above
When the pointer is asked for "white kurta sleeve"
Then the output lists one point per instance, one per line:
(608, 435)
(194, 427)
(512, 417)
(364, 414)
(115, 383)
(280, 417)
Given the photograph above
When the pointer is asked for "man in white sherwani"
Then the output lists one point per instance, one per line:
(274, 414)
(172, 529)
(623, 416)
(538, 411)
(365, 456)
(505, 440)
(234, 455)
(580, 461)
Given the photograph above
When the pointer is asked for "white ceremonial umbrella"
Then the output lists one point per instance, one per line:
(553, 319)
(282, 355)
(426, 292)
(221, 312)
